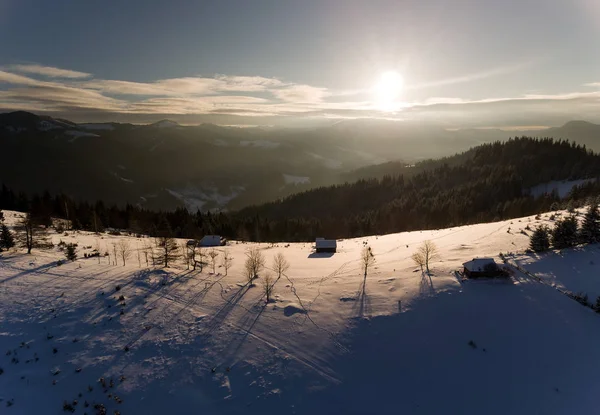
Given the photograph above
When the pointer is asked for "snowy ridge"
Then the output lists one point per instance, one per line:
(332, 341)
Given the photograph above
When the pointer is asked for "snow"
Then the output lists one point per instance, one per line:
(259, 143)
(219, 142)
(196, 197)
(333, 341)
(295, 180)
(562, 187)
(478, 264)
(165, 124)
(327, 162)
(580, 272)
(77, 134)
(47, 125)
(106, 127)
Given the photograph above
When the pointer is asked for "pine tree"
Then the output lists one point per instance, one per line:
(540, 239)
(70, 252)
(7, 239)
(590, 229)
(565, 233)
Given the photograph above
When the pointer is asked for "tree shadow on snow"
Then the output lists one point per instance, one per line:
(363, 302)
(30, 271)
(426, 284)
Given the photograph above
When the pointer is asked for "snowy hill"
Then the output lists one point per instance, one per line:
(184, 341)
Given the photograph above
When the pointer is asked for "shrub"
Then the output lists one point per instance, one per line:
(70, 252)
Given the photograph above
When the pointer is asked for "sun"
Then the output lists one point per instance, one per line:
(388, 89)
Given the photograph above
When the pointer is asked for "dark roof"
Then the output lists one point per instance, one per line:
(325, 243)
(478, 264)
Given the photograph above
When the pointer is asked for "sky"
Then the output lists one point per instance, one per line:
(463, 63)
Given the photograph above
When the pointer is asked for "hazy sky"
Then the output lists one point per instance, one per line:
(464, 63)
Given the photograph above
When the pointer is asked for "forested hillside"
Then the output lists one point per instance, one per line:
(486, 183)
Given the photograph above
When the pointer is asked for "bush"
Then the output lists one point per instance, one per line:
(71, 253)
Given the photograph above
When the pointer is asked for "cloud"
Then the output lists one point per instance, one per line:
(14, 79)
(503, 70)
(225, 97)
(49, 71)
(301, 94)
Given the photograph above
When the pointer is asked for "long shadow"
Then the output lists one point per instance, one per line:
(363, 302)
(221, 315)
(233, 350)
(426, 284)
(29, 271)
(321, 255)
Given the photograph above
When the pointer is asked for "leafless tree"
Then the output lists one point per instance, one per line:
(97, 248)
(418, 259)
(280, 265)
(124, 250)
(147, 250)
(168, 250)
(186, 254)
(428, 252)
(227, 261)
(367, 259)
(30, 234)
(255, 262)
(268, 286)
(115, 253)
(213, 254)
(198, 256)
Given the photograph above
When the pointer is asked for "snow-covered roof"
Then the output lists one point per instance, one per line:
(210, 240)
(326, 243)
(478, 264)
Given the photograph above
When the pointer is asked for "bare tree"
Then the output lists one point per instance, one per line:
(115, 252)
(30, 234)
(213, 254)
(168, 250)
(124, 250)
(268, 286)
(147, 250)
(97, 248)
(227, 261)
(367, 259)
(138, 254)
(429, 252)
(186, 254)
(198, 256)
(255, 262)
(418, 259)
(280, 265)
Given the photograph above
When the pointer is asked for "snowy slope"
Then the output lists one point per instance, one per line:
(330, 343)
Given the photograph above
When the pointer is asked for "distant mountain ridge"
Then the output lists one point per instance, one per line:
(166, 165)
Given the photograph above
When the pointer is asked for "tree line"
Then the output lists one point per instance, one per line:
(490, 182)
(568, 232)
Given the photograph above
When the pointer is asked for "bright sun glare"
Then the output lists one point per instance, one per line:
(388, 89)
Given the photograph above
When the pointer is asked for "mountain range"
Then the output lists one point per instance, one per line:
(166, 165)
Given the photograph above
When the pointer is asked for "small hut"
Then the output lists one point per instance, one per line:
(323, 245)
(212, 240)
(482, 268)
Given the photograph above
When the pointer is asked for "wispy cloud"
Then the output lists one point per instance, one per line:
(503, 70)
(301, 94)
(49, 71)
(253, 97)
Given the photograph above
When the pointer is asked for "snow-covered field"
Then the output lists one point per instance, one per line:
(203, 342)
